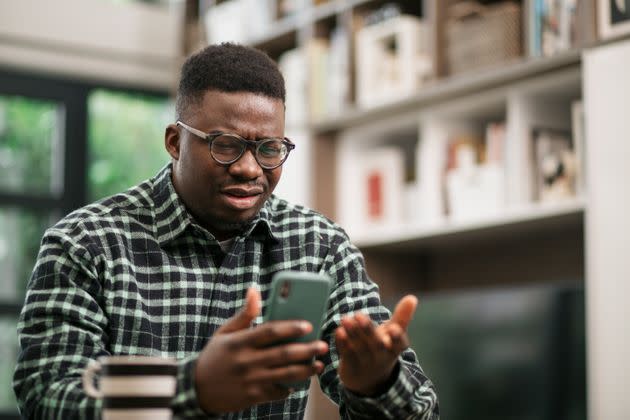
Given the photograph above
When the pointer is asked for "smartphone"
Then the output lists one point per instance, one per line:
(298, 295)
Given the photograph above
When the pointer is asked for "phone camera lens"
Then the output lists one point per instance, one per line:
(285, 289)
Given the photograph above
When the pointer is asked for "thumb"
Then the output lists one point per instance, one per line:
(243, 319)
(403, 313)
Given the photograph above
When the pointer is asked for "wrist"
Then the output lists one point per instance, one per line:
(199, 381)
(380, 387)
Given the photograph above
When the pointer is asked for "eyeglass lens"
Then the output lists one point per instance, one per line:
(269, 153)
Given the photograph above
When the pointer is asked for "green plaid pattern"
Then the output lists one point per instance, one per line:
(134, 274)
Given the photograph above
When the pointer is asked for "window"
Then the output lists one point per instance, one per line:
(62, 144)
(30, 142)
(8, 359)
(20, 235)
(126, 139)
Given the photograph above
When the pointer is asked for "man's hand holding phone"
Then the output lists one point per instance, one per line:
(240, 367)
(369, 353)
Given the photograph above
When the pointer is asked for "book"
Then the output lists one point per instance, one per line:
(292, 64)
(317, 57)
(558, 25)
(338, 71)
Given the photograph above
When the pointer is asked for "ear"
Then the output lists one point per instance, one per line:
(172, 141)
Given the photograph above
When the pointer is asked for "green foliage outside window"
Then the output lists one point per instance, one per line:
(125, 139)
(8, 359)
(29, 133)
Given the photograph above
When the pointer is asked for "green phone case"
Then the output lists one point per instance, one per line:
(307, 299)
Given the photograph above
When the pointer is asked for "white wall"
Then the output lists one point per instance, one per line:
(607, 105)
(134, 43)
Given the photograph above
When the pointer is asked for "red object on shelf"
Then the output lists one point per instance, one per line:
(375, 195)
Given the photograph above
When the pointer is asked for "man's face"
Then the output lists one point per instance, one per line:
(223, 198)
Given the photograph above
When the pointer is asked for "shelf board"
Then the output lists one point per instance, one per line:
(280, 28)
(529, 220)
(327, 10)
(452, 87)
(285, 26)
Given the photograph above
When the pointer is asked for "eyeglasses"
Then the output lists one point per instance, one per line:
(227, 148)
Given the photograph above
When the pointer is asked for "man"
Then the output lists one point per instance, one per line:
(176, 267)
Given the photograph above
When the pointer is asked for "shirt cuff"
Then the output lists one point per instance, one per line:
(393, 403)
(185, 404)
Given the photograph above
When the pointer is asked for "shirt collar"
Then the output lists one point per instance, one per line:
(172, 217)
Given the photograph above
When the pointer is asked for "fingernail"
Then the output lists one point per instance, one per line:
(305, 326)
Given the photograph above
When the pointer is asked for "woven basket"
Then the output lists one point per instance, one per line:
(480, 36)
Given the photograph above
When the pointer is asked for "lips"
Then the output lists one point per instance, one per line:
(242, 191)
(242, 198)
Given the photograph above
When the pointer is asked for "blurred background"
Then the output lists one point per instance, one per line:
(475, 151)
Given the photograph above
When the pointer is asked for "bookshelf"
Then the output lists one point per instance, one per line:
(525, 241)
(523, 91)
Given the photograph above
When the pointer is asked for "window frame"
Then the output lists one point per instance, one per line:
(73, 95)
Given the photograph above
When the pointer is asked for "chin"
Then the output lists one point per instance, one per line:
(234, 225)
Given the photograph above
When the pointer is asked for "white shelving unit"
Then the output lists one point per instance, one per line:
(526, 241)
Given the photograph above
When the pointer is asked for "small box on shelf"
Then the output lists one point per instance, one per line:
(555, 165)
(393, 59)
(480, 36)
(475, 175)
(239, 21)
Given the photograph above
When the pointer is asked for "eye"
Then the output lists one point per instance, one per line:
(226, 148)
(271, 148)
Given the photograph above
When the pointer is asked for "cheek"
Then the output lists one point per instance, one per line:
(194, 169)
(273, 178)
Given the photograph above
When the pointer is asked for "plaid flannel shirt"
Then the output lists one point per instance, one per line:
(135, 275)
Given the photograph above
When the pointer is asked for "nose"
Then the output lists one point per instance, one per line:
(246, 167)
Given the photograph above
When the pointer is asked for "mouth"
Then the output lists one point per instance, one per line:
(242, 198)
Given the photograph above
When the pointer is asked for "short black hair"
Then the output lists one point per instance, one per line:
(227, 67)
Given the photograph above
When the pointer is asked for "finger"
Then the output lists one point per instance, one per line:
(284, 354)
(353, 340)
(267, 392)
(273, 332)
(403, 313)
(341, 341)
(288, 373)
(400, 339)
(383, 335)
(244, 318)
(370, 340)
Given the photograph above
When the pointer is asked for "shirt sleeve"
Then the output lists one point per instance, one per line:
(412, 395)
(63, 327)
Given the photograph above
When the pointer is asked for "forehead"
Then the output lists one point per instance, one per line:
(249, 114)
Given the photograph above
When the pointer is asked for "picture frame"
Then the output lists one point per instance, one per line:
(614, 18)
